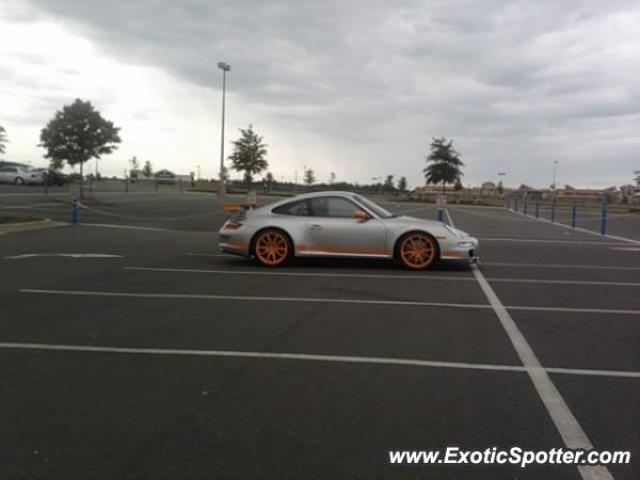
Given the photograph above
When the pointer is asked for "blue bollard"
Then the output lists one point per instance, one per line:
(45, 182)
(75, 212)
(180, 183)
(156, 185)
(126, 185)
(603, 225)
(508, 204)
(524, 209)
(91, 185)
(516, 205)
(440, 215)
(574, 214)
(553, 210)
(537, 208)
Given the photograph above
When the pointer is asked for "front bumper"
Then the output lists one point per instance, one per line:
(464, 249)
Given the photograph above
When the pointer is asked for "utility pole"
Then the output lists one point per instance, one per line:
(225, 67)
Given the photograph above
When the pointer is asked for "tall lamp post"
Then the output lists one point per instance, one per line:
(555, 171)
(225, 67)
(500, 175)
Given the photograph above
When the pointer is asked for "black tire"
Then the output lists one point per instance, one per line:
(19, 181)
(426, 242)
(272, 247)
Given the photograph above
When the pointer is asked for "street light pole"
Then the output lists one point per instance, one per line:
(500, 174)
(225, 67)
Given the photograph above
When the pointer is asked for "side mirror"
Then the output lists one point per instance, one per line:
(361, 215)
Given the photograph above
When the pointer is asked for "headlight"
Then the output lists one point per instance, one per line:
(466, 243)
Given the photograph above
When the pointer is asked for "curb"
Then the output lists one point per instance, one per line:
(29, 226)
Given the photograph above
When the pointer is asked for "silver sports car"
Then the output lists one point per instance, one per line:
(341, 224)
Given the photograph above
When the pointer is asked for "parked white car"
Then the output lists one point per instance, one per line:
(20, 175)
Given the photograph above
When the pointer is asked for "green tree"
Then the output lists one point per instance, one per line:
(268, 180)
(388, 184)
(76, 134)
(443, 163)
(249, 154)
(3, 139)
(147, 170)
(402, 184)
(309, 177)
(135, 167)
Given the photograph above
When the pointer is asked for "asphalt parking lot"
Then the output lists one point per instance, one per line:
(151, 355)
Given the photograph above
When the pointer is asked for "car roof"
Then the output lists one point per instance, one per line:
(305, 196)
(336, 193)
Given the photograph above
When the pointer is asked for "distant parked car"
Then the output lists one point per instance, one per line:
(20, 175)
(54, 177)
(165, 176)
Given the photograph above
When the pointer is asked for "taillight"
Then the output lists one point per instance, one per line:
(230, 225)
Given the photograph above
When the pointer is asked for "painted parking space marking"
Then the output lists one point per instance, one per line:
(559, 265)
(419, 276)
(583, 230)
(561, 242)
(68, 255)
(126, 227)
(188, 296)
(408, 362)
(407, 303)
(566, 423)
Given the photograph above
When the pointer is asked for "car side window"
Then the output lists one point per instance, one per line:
(299, 208)
(334, 207)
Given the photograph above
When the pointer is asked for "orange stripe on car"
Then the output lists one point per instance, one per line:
(326, 249)
(239, 246)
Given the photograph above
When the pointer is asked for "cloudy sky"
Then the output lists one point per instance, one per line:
(357, 87)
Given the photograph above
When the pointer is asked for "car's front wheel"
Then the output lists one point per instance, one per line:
(19, 181)
(272, 247)
(417, 251)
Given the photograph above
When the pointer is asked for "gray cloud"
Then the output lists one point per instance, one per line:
(514, 83)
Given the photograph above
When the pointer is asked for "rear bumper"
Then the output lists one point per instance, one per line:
(227, 244)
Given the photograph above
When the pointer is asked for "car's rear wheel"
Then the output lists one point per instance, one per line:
(19, 181)
(417, 251)
(272, 247)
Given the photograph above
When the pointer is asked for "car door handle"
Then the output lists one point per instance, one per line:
(316, 227)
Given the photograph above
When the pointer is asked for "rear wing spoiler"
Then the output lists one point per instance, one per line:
(232, 208)
(237, 211)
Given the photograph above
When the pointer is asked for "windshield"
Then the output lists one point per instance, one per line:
(374, 207)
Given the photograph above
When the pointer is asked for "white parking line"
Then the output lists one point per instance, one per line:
(558, 265)
(540, 240)
(250, 298)
(570, 430)
(228, 255)
(408, 303)
(125, 227)
(408, 362)
(69, 255)
(378, 276)
(578, 229)
(35, 205)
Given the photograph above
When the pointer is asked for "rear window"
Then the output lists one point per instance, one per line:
(299, 208)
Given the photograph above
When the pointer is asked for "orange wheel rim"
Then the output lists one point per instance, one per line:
(272, 248)
(417, 251)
